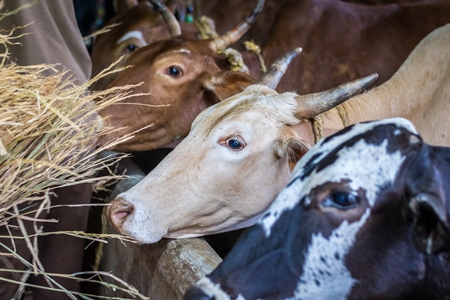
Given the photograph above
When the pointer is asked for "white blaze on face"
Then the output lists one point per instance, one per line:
(211, 289)
(325, 275)
(365, 166)
(136, 34)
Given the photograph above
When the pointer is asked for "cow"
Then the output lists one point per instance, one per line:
(365, 216)
(134, 26)
(226, 135)
(234, 161)
(180, 79)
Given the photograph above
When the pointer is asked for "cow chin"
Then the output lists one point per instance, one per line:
(141, 233)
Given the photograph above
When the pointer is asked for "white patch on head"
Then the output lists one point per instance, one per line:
(183, 51)
(211, 289)
(325, 275)
(366, 166)
(133, 34)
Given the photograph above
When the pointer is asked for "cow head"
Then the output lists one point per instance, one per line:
(180, 78)
(365, 216)
(136, 26)
(229, 168)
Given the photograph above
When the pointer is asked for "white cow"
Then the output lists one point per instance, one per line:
(236, 158)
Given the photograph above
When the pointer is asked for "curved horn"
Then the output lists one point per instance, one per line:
(273, 75)
(311, 105)
(171, 21)
(236, 33)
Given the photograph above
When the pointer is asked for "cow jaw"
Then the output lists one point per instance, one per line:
(230, 191)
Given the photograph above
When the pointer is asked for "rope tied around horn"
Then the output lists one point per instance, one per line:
(207, 30)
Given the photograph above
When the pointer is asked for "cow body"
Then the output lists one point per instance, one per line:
(365, 216)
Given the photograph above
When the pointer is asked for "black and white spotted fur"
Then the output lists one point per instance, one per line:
(365, 216)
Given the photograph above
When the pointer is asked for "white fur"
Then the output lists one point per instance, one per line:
(133, 34)
(325, 265)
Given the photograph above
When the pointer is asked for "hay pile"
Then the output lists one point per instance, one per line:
(48, 134)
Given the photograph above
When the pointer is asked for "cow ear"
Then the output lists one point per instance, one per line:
(228, 83)
(431, 227)
(290, 145)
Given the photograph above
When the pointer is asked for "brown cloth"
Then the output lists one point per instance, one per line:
(53, 38)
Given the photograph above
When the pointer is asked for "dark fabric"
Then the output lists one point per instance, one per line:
(53, 38)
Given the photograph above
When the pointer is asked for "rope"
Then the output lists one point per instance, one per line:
(207, 30)
(317, 123)
(235, 60)
(343, 114)
(252, 47)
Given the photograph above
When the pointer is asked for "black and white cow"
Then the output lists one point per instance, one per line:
(365, 216)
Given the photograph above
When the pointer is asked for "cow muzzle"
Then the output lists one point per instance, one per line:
(118, 212)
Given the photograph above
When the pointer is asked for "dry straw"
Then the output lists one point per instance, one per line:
(48, 134)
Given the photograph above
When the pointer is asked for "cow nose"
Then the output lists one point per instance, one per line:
(196, 293)
(118, 212)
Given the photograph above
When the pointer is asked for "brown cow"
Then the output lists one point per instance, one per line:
(235, 159)
(181, 78)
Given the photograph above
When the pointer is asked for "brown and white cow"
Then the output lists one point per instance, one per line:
(235, 159)
(365, 216)
(180, 78)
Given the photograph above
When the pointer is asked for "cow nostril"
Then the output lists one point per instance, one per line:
(196, 293)
(119, 210)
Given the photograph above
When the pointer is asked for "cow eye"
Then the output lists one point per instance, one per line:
(131, 48)
(341, 200)
(235, 143)
(174, 71)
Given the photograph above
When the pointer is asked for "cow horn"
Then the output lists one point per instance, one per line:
(232, 36)
(273, 75)
(312, 105)
(171, 21)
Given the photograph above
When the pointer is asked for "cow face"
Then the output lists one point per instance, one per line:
(364, 217)
(135, 28)
(213, 181)
(180, 78)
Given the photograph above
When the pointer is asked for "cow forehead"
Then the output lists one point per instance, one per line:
(362, 165)
(136, 34)
(253, 99)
